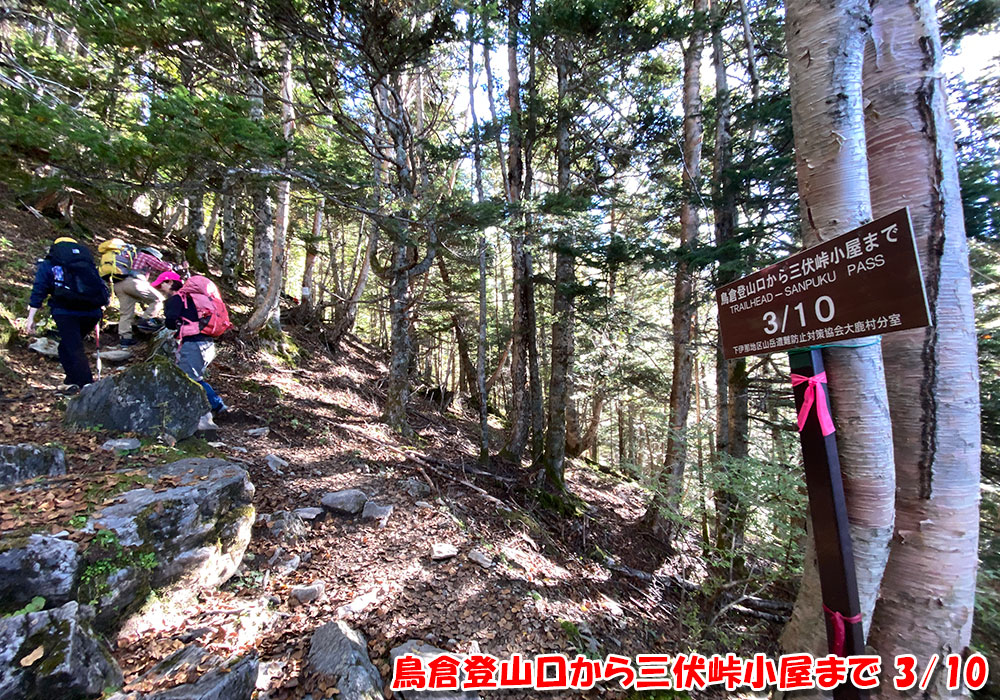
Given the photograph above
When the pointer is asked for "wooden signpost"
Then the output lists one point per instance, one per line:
(865, 282)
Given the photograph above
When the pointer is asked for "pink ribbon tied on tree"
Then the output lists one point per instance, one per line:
(839, 622)
(814, 395)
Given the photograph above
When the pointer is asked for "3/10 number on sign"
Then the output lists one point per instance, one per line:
(823, 310)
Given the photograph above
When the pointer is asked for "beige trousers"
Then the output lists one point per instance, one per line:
(131, 291)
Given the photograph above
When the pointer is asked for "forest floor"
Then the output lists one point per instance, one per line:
(551, 588)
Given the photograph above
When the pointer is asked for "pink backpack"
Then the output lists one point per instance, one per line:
(213, 317)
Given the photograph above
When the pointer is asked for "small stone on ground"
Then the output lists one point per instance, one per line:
(478, 556)
(310, 593)
(122, 444)
(443, 550)
(373, 511)
(346, 502)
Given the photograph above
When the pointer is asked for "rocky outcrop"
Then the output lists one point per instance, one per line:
(188, 529)
(38, 565)
(25, 461)
(207, 676)
(185, 530)
(153, 398)
(337, 651)
(54, 654)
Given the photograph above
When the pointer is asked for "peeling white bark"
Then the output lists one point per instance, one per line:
(928, 594)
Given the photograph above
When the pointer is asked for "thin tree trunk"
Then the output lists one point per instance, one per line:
(671, 479)
(465, 358)
(534, 362)
(586, 440)
(345, 317)
(480, 392)
(230, 242)
(562, 298)
(622, 444)
(826, 49)
(312, 251)
(928, 592)
(730, 376)
(195, 233)
(263, 213)
(520, 403)
(404, 266)
(632, 452)
(267, 309)
(488, 64)
(497, 373)
(173, 220)
(213, 222)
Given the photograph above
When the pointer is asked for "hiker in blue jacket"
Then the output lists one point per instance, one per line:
(77, 297)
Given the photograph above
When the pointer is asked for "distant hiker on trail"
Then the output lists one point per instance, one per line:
(199, 315)
(128, 269)
(77, 297)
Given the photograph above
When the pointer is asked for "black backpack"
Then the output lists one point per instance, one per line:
(76, 283)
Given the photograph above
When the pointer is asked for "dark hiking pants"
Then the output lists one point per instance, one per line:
(73, 328)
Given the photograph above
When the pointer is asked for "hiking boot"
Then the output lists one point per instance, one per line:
(68, 389)
(127, 342)
(149, 325)
(207, 429)
(222, 409)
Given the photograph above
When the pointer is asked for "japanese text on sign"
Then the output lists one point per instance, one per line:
(865, 282)
(681, 672)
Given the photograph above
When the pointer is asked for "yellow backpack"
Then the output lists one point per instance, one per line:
(117, 257)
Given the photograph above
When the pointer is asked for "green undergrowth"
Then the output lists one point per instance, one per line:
(106, 556)
(185, 449)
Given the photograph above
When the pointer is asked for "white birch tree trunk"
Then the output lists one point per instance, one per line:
(826, 50)
(928, 592)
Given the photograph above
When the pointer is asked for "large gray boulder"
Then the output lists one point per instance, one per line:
(341, 652)
(54, 654)
(38, 565)
(214, 678)
(185, 531)
(25, 461)
(152, 398)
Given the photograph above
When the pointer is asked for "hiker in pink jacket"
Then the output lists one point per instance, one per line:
(198, 315)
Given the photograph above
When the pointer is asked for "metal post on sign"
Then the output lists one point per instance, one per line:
(834, 554)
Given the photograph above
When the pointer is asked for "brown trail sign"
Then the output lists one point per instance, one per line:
(865, 282)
